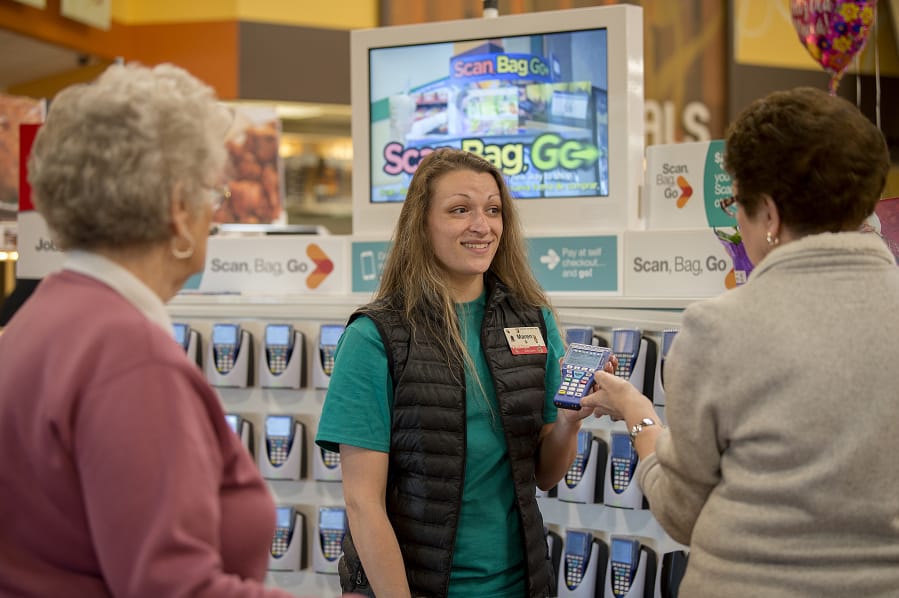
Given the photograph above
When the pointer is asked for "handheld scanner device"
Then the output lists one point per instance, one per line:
(328, 337)
(578, 366)
(279, 431)
(285, 517)
(225, 345)
(233, 420)
(330, 458)
(626, 346)
(624, 561)
(667, 338)
(331, 530)
(624, 461)
(278, 346)
(182, 334)
(577, 556)
(579, 334)
(576, 472)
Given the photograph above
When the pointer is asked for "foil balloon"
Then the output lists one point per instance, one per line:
(833, 31)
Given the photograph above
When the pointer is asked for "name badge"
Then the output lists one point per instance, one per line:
(525, 341)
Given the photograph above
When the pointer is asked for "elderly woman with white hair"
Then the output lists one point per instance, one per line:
(120, 476)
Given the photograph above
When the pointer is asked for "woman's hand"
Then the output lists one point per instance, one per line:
(615, 397)
(574, 416)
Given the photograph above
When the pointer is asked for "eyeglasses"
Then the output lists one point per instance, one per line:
(218, 196)
(729, 205)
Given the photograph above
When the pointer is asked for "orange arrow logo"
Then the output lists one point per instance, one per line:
(323, 266)
(686, 191)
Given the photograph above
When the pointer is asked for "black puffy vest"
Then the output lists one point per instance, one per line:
(427, 447)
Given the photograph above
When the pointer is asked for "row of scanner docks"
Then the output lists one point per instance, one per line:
(586, 564)
(232, 359)
(280, 362)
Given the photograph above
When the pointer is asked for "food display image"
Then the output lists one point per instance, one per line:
(14, 111)
(254, 170)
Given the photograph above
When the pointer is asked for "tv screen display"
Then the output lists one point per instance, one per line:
(534, 105)
(553, 99)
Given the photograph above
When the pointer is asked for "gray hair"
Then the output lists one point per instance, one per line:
(107, 161)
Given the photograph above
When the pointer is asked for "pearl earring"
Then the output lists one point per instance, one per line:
(771, 239)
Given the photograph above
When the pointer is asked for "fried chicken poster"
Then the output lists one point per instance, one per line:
(254, 172)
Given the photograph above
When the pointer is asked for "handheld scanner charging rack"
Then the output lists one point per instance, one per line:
(328, 337)
(225, 346)
(279, 436)
(284, 528)
(279, 343)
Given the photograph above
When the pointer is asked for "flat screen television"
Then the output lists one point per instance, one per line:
(554, 99)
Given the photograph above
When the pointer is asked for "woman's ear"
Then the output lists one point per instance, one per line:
(771, 215)
(179, 211)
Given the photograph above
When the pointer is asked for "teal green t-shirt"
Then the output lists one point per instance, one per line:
(488, 560)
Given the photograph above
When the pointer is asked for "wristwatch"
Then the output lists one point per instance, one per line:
(638, 427)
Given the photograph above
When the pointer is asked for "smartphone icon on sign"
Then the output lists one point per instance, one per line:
(367, 265)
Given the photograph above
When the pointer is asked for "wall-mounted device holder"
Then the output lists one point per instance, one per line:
(328, 335)
(229, 356)
(658, 391)
(330, 530)
(281, 357)
(288, 552)
(584, 480)
(631, 570)
(190, 341)
(671, 569)
(281, 448)
(554, 549)
(636, 358)
(551, 493)
(243, 428)
(621, 488)
(583, 565)
(326, 465)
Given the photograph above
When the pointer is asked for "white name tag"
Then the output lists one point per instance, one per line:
(525, 341)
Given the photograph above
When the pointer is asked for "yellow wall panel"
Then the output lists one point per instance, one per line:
(327, 14)
(764, 36)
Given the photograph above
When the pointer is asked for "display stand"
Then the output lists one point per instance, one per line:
(329, 533)
(670, 571)
(629, 498)
(292, 375)
(326, 465)
(294, 556)
(643, 583)
(241, 373)
(293, 467)
(194, 345)
(589, 487)
(592, 581)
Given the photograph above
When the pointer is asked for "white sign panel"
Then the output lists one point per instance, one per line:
(38, 255)
(276, 265)
(690, 263)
